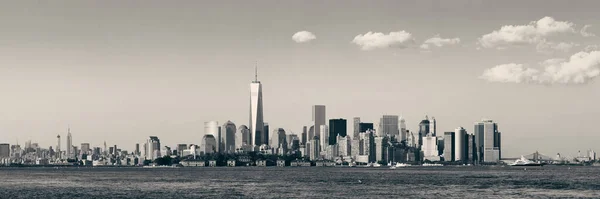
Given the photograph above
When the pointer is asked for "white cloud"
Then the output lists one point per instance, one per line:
(544, 46)
(376, 40)
(532, 33)
(437, 41)
(303, 36)
(580, 68)
(585, 33)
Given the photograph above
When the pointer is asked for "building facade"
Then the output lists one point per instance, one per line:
(256, 127)
(228, 137)
(388, 126)
(337, 127)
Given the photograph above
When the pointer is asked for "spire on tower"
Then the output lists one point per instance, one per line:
(256, 71)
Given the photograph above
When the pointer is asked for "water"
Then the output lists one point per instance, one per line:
(313, 182)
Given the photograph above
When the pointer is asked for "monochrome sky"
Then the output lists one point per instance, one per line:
(121, 71)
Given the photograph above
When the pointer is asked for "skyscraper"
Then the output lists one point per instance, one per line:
(4, 150)
(449, 146)
(58, 147)
(69, 148)
(213, 128)
(229, 130)
(388, 126)
(324, 136)
(153, 148)
(487, 141)
(85, 148)
(264, 138)
(356, 127)
(318, 119)
(209, 144)
(403, 133)
(337, 127)
(460, 144)
(304, 135)
(256, 112)
(242, 137)
(423, 130)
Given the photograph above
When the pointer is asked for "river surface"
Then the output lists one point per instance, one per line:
(301, 182)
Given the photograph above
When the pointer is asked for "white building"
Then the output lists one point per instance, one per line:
(344, 145)
(460, 145)
(324, 136)
(430, 148)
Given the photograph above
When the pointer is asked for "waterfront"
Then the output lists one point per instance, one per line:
(301, 182)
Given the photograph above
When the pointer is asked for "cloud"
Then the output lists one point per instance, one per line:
(303, 36)
(378, 40)
(532, 33)
(437, 41)
(591, 48)
(585, 33)
(544, 46)
(578, 69)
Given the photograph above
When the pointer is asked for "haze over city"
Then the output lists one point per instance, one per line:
(122, 71)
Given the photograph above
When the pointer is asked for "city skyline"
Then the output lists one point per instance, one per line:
(159, 71)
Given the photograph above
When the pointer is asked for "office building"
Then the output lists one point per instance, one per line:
(356, 129)
(430, 148)
(256, 127)
(315, 149)
(85, 148)
(344, 145)
(460, 144)
(153, 148)
(181, 148)
(4, 150)
(70, 153)
(449, 146)
(363, 127)
(380, 148)
(279, 139)
(487, 140)
(58, 147)
(403, 131)
(304, 135)
(228, 135)
(424, 126)
(242, 137)
(209, 144)
(388, 126)
(324, 137)
(337, 127)
(319, 118)
(265, 136)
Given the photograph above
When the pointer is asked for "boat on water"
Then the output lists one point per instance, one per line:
(402, 165)
(432, 165)
(376, 164)
(525, 162)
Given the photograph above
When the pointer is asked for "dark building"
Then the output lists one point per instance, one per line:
(471, 149)
(304, 135)
(356, 127)
(449, 148)
(423, 130)
(337, 127)
(365, 126)
(265, 136)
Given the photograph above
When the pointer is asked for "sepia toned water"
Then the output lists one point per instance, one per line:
(313, 182)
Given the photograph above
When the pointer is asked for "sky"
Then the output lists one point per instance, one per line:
(120, 71)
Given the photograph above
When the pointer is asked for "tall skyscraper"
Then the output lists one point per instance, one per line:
(242, 137)
(213, 128)
(403, 132)
(337, 127)
(256, 112)
(487, 141)
(433, 127)
(209, 144)
(85, 148)
(356, 127)
(229, 130)
(70, 153)
(58, 147)
(153, 148)
(279, 138)
(4, 150)
(137, 149)
(460, 144)
(449, 146)
(304, 135)
(324, 136)
(318, 119)
(315, 149)
(264, 138)
(423, 130)
(388, 126)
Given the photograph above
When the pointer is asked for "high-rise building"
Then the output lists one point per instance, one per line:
(229, 130)
(403, 132)
(356, 127)
(379, 148)
(70, 153)
(256, 112)
(388, 126)
(487, 140)
(324, 137)
(4, 150)
(265, 136)
(304, 135)
(424, 129)
(449, 146)
(337, 127)
(430, 148)
(344, 146)
(153, 148)
(85, 148)
(460, 144)
(209, 144)
(315, 149)
(279, 138)
(137, 149)
(181, 148)
(211, 128)
(433, 126)
(319, 118)
(242, 137)
(364, 127)
(58, 147)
